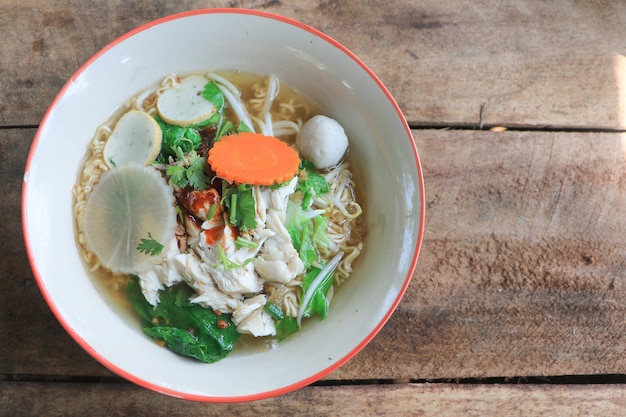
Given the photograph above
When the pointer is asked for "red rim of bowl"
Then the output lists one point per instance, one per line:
(261, 395)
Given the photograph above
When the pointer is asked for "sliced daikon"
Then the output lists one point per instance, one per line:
(135, 138)
(184, 105)
(130, 203)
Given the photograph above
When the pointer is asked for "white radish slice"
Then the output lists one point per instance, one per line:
(136, 138)
(130, 203)
(184, 105)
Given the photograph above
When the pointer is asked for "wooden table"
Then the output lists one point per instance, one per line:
(518, 303)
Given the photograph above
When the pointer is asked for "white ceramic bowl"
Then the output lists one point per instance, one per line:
(256, 42)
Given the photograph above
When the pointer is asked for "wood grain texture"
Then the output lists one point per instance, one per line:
(421, 400)
(520, 272)
(522, 63)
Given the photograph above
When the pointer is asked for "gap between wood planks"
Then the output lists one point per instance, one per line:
(502, 128)
(456, 126)
(519, 380)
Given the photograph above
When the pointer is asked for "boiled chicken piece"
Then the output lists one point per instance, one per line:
(228, 264)
(150, 287)
(276, 224)
(267, 200)
(250, 317)
(197, 276)
(162, 275)
(278, 261)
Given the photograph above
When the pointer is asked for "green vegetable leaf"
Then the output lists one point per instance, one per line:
(286, 327)
(242, 128)
(307, 235)
(185, 138)
(227, 128)
(213, 94)
(310, 183)
(182, 342)
(183, 327)
(239, 201)
(177, 175)
(196, 172)
(191, 172)
(319, 303)
(150, 246)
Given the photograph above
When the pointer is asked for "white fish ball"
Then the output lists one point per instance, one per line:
(322, 141)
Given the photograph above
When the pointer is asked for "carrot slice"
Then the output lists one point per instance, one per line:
(251, 158)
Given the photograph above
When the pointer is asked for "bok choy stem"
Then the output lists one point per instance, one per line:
(327, 270)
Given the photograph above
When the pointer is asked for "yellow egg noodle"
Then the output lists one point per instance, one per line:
(288, 112)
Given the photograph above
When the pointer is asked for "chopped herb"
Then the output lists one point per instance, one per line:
(242, 242)
(233, 208)
(150, 246)
(239, 201)
(310, 183)
(225, 261)
(191, 173)
(195, 172)
(211, 212)
(243, 128)
(275, 311)
(179, 214)
(227, 128)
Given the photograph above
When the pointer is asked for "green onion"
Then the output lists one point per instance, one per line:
(211, 213)
(274, 311)
(242, 242)
(233, 208)
(224, 260)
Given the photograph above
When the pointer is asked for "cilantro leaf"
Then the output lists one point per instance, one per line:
(310, 183)
(195, 172)
(150, 246)
(239, 201)
(190, 172)
(228, 128)
(177, 175)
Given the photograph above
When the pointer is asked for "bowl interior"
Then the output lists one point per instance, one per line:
(380, 142)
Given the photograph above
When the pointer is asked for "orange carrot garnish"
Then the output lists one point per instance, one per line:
(251, 158)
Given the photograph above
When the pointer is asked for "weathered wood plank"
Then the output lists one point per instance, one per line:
(32, 340)
(521, 271)
(522, 266)
(514, 63)
(441, 400)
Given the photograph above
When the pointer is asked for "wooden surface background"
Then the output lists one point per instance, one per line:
(517, 306)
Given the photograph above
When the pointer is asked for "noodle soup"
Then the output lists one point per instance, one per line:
(197, 255)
